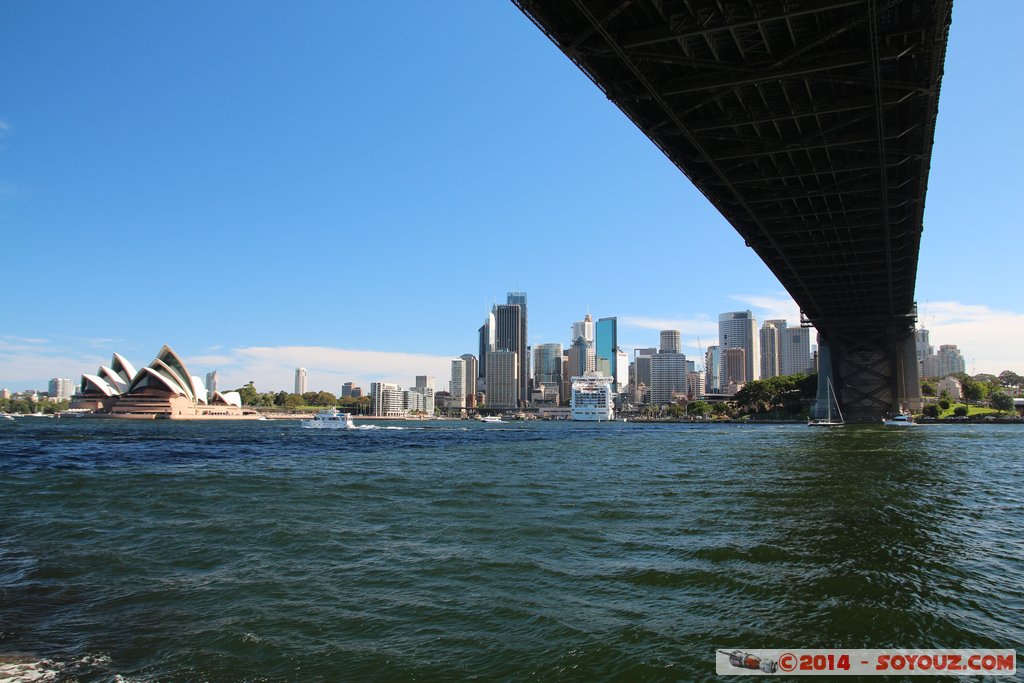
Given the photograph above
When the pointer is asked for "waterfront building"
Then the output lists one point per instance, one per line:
(424, 385)
(671, 342)
(457, 384)
(668, 377)
(387, 400)
(61, 389)
(509, 337)
(471, 379)
(502, 380)
(5, 393)
(300, 381)
(212, 383)
(770, 346)
(164, 389)
(712, 368)
(592, 398)
(946, 361)
(738, 330)
(795, 350)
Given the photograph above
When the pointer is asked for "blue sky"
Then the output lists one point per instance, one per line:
(345, 186)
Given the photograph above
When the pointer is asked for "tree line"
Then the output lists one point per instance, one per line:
(290, 401)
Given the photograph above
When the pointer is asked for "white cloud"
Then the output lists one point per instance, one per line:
(688, 326)
(770, 306)
(989, 339)
(272, 368)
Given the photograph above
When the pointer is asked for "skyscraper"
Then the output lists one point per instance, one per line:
(300, 381)
(734, 367)
(547, 363)
(509, 337)
(346, 389)
(668, 377)
(486, 343)
(606, 334)
(738, 330)
(212, 381)
(642, 373)
(795, 351)
(502, 379)
(457, 385)
(471, 378)
(712, 367)
(523, 351)
(947, 361)
(771, 346)
(671, 342)
(583, 329)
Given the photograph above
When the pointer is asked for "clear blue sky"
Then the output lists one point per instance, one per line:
(263, 185)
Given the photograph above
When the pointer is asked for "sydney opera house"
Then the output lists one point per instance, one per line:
(163, 389)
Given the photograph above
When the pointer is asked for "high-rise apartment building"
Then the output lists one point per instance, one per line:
(61, 389)
(671, 342)
(425, 387)
(924, 348)
(346, 389)
(621, 372)
(642, 374)
(946, 361)
(471, 379)
(502, 379)
(386, 400)
(300, 381)
(668, 377)
(738, 330)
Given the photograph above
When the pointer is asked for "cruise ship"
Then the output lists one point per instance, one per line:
(592, 397)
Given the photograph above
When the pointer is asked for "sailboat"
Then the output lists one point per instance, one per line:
(828, 421)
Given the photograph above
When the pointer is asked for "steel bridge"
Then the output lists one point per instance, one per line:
(808, 124)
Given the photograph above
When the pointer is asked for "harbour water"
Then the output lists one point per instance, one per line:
(260, 551)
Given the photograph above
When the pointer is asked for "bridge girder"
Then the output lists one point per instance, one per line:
(793, 117)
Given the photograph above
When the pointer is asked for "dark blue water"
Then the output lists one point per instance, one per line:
(259, 551)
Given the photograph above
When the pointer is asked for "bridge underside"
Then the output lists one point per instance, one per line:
(809, 125)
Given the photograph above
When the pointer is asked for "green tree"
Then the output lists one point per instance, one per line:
(325, 399)
(293, 401)
(1009, 378)
(698, 408)
(248, 393)
(960, 411)
(930, 410)
(928, 388)
(944, 403)
(279, 397)
(1001, 402)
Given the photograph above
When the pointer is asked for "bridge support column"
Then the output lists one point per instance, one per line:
(872, 375)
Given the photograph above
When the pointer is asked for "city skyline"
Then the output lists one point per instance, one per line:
(285, 160)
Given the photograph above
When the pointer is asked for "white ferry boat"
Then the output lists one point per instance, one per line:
(899, 420)
(490, 418)
(592, 397)
(330, 419)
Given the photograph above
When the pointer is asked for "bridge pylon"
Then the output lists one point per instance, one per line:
(874, 373)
